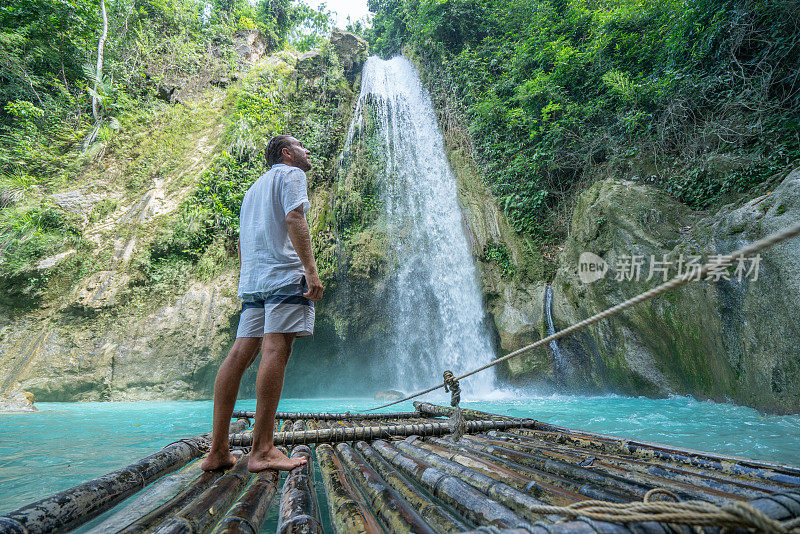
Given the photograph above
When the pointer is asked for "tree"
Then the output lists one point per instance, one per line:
(99, 72)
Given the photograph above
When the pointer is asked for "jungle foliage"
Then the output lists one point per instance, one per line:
(48, 50)
(267, 100)
(699, 97)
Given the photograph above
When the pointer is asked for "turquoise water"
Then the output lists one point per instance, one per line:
(68, 443)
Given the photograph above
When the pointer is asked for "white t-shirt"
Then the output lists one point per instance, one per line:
(269, 260)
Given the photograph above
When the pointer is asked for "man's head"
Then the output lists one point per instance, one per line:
(289, 151)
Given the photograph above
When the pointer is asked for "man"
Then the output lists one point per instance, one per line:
(278, 285)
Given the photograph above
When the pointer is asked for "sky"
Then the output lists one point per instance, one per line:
(355, 8)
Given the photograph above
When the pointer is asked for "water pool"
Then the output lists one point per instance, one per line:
(68, 443)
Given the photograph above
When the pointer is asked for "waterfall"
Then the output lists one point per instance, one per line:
(434, 303)
(560, 364)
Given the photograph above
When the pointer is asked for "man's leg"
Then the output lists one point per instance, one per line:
(226, 387)
(275, 353)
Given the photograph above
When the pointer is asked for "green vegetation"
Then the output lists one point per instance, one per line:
(499, 254)
(203, 233)
(28, 233)
(699, 98)
(155, 51)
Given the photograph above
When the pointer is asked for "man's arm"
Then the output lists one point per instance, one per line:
(300, 236)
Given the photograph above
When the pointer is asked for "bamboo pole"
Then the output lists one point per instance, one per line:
(572, 472)
(247, 515)
(434, 515)
(513, 499)
(202, 513)
(151, 498)
(299, 511)
(547, 492)
(348, 515)
(715, 480)
(368, 433)
(785, 475)
(435, 410)
(330, 416)
(584, 527)
(770, 471)
(75, 506)
(589, 490)
(181, 499)
(692, 489)
(633, 482)
(473, 505)
(387, 504)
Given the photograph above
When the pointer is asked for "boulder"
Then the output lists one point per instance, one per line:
(251, 45)
(78, 201)
(389, 395)
(351, 51)
(17, 401)
(311, 65)
(170, 89)
(52, 261)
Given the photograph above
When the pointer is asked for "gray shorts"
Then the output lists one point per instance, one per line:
(280, 311)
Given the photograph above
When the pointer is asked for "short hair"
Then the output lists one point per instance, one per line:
(274, 148)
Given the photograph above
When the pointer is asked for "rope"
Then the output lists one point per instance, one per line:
(713, 266)
(457, 423)
(695, 513)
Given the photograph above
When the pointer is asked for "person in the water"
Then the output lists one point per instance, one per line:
(278, 285)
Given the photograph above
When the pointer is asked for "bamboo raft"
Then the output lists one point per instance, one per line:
(401, 472)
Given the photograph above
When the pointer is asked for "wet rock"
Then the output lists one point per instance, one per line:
(101, 289)
(723, 339)
(17, 401)
(389, 395)
(351, 51)
(170, 352)
(77, 201)
(52, 261)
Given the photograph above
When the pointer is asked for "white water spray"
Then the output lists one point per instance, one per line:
(435, 307)
(560, 363)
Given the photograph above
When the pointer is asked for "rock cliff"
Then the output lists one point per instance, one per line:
(112, 323)
(726, 339)
(129, 312)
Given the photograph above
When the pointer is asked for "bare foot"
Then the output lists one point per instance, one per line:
(218, 460)
(272, 459)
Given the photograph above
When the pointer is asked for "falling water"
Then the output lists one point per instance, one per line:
(560, 363)
(435, 308)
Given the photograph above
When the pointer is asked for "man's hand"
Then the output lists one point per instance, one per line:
(314, 288)
(301, 240)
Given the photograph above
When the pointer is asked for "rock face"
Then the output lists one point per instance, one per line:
(311, 66)
(722, 339)
(100, 337)
(174, 85)
(250, 45)
(351, 50)
(170, 352)
(389, 394)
